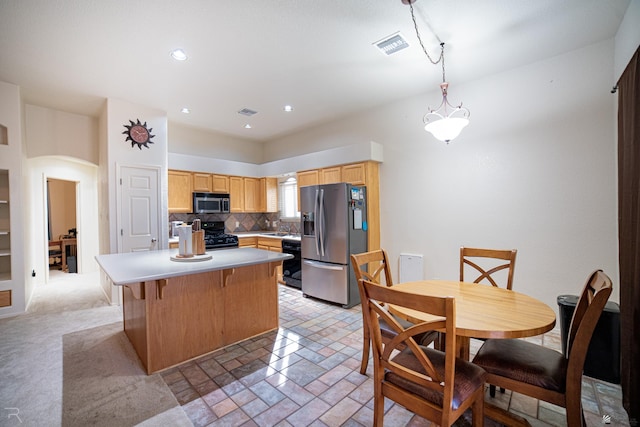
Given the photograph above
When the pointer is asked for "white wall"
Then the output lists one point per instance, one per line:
(627, 38)
(115, 152)
(535, 170)
(199, 143)
(57, 133)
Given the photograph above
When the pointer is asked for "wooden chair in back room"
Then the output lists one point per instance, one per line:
(378, 262)
(433, 384)
(544, 373)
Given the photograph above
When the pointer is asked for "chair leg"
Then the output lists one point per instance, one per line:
(477, 411)
(366, 344)
(378, 406)
(575, 417)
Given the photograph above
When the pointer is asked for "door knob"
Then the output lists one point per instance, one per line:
(154, 240)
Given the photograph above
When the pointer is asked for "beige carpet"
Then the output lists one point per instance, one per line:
(104, 383)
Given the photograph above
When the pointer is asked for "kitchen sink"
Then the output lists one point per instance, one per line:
(281, 234)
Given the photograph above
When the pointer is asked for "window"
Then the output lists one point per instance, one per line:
(288, 198)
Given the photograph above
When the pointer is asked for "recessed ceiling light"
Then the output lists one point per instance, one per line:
(247, 126)
(185, 110)
(178, 55)
(288, 108)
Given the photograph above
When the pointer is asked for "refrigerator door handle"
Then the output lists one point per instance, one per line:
(323, 265)
(322, 222)
(316, 218)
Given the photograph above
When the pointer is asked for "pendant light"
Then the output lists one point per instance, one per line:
(446, 121)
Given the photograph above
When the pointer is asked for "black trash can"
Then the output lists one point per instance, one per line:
(603, 356)
(72, 264)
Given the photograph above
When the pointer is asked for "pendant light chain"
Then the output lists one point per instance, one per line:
(415, 25)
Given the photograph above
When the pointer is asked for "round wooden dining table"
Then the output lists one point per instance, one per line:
(482, 311)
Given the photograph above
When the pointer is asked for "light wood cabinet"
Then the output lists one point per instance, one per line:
(354, 174)
(248, 242)
(247, 194)
(273, 245)
(236, 193)
(202, 182)
(331, 175)
(268, 195)
(305, 178)
(210, 183)
(220, 183)
(180, 191)
(251, 194)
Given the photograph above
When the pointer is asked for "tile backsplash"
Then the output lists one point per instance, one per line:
(245, 221)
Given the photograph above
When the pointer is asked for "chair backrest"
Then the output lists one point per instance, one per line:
(594, 297)
(377, 263)
(478, 258)
(375, 298)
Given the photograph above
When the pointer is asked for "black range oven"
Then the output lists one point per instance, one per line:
(215, 237)
(292, 268)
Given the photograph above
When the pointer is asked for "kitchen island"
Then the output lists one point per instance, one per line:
(176, 310)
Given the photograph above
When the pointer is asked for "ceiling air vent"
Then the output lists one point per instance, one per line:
(247, 112)
(392, 44)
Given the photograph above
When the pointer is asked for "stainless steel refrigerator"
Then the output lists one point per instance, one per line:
(333, 226)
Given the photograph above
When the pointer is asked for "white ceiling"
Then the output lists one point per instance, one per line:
(316, 55)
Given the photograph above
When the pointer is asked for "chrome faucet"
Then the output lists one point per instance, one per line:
(285, 227)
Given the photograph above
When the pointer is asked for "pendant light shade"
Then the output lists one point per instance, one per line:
(446, 122)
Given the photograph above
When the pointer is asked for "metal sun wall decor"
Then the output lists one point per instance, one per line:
(138, 133)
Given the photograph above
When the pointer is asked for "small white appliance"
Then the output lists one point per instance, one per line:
(174, 228)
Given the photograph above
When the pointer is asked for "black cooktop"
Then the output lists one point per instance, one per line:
(215, 237)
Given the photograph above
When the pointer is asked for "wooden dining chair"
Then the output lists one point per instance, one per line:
(541, 372)
(433, 384)
(378, 262)
(485, 263)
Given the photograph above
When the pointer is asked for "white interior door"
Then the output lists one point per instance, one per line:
(139, 228)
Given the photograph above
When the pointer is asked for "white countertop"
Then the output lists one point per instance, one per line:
(271, 234)
(134, 267)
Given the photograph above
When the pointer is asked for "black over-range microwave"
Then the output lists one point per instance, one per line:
(210, 203)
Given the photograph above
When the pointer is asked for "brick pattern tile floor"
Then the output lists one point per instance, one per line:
(307, 374)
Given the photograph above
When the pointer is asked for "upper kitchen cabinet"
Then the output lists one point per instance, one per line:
(268, 195)
(331, 175)
(236, 193)
(305, 178)
(202, 182)
(180, 191)
(356, 173)
(251, 194)
(220, 184)
(210, 183)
